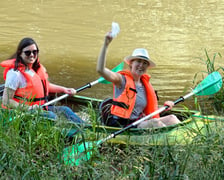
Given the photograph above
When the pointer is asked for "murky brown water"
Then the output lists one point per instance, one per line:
(70, 34)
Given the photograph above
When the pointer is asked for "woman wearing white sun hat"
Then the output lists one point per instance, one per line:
(134, 96)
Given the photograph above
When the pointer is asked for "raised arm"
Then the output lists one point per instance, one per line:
(101, 69)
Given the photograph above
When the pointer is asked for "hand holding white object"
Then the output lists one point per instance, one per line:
(115, 29)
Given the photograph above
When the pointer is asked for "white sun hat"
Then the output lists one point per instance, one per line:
(140, 53)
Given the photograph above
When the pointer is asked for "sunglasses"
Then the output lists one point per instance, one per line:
(28, 53)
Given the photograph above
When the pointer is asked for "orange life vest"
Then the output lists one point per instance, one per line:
(37, 88)
(128, 97)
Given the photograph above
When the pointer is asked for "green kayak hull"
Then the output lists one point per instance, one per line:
(192, 126)
(182, 134)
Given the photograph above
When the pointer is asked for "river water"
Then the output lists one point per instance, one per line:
(70, 34)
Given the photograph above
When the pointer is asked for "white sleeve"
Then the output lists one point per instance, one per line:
(14, 80)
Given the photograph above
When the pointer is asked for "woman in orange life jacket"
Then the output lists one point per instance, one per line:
(134, 96)
(26, 83)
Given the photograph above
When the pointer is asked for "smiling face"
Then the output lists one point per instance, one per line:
(29, 54)
(139, 66)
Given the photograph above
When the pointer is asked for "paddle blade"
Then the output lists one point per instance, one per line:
(119, 67)
(210, 85)
(74, 155)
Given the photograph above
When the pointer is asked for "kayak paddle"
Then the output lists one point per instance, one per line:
(75, 154)
(119, 67)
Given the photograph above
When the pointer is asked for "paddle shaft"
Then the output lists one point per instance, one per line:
(113, 135)
(88, 85)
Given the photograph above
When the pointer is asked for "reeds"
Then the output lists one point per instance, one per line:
(213, 103)
(31, 149)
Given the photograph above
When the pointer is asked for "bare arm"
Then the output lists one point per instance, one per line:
(7, 98)
(53, 88)
(102, 70)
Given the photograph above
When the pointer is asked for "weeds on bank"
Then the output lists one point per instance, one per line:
(213, 103)
(31, 146)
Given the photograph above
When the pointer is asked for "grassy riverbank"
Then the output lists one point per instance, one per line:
(31, 147)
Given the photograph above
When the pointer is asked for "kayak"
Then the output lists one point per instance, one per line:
(193, 124)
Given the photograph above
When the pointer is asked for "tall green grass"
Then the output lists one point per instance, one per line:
(213, 103)
(31, 147)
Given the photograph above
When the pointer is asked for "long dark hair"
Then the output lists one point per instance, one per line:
(24, 43)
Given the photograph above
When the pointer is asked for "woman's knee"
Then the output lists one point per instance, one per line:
(152, 123)
(63, 108)
(174, 118)
(170, 120)
(49, 114)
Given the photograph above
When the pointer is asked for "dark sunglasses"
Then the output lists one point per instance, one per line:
(28, 53)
